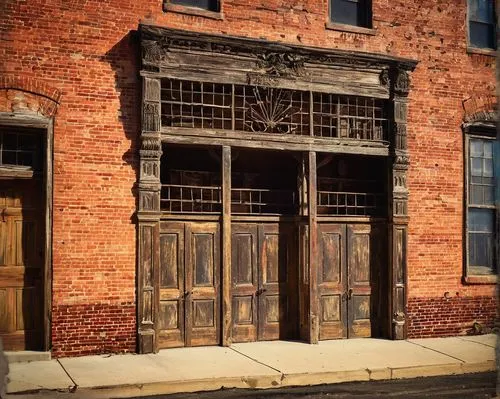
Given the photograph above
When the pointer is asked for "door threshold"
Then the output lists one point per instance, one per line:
(27, 356)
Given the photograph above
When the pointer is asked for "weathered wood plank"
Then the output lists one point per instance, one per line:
(273, 141)
(226, 246)
(313, 252)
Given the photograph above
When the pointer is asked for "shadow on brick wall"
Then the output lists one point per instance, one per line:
(124, 58)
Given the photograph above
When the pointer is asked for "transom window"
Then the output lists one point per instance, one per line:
(481, 211)
(20, 148)
(351, 12)
(482, 26)
(272, 110)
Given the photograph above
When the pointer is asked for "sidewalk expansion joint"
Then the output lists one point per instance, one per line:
(258, 361)
(476, 342)
(435, 350)
(75, 385)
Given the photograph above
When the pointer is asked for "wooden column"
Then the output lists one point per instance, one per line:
(148, 216)
(226, 246)
(398, 208)
(313, 252)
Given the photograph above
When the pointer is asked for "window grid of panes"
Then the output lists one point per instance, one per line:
(481, 206)
(270, 110)
(19, 148)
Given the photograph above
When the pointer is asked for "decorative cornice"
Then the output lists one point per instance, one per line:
(157, 42)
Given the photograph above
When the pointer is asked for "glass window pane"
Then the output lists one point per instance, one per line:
(481, 250)
(488, 167)
(481, 10)
(488, 149)
(10, 141)
(476, 148)
(476, 167)
(481, 35)
(346, 12)
(489, 195)
(9, 158)
(476, 195)
(481, 220)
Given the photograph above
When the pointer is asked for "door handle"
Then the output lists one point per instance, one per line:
(187, 293)
(3, 214)
(349, 294)
(260, 291)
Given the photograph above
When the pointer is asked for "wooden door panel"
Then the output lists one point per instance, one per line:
(202, 317)
(244, 282)
(21, 264)
(332, 281)
(359, 303)
(278, 284)
(171, 332)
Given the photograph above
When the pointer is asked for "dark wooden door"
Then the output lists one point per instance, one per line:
(171, 314)
(21, 264)
(359, 290)
(245, 282)
(332, 281)
(345, 280)
(189, 311)
(265, 286)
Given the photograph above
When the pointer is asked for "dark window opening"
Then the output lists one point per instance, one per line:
(191, 180)
(264, 182)
(210, 5)
(482, 26)
(351, 12)
(21, 148)
(352, 185)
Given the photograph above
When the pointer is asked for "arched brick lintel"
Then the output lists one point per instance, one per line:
(49, 97)
(480, 108)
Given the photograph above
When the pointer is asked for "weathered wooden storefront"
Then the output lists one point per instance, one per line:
(272, 192)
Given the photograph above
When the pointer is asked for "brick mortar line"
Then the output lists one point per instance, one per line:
(258, 361)
(435, 350)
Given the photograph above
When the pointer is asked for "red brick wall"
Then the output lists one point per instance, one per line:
(85, 49)
(441, 317)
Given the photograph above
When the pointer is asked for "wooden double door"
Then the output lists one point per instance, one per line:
(21, 264)
(349, 269)
(264, 262)
(189, 284)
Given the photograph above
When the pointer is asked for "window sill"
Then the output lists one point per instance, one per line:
(490, 279)
(483, 51)
(350, 28)
(199, 12)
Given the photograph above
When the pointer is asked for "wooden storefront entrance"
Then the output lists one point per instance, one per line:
(272, 192)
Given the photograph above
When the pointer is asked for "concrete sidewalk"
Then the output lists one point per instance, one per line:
(254, 365)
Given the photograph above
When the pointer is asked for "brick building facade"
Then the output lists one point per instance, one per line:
(70, 71)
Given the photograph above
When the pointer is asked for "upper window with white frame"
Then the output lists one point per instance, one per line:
(481, 216)
(482, 25)
(351, 12)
